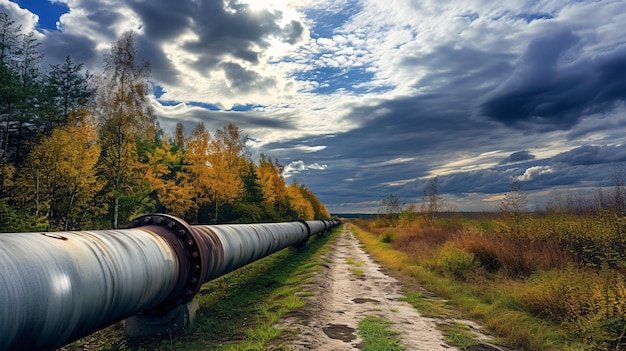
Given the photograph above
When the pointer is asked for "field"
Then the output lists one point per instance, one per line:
(535, 282)
(538, 281)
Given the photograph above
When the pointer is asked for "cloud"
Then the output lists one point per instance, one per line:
(299, 166)
(592, 155)
(518, 156)
(357, 96)
(22, 17)
(554, 86)
(533, 172)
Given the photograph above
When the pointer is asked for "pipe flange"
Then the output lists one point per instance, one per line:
(189, 250)
(308, 234)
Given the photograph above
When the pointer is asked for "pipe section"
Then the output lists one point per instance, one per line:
(58, 287)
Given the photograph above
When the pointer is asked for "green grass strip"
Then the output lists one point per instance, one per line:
(378, 336)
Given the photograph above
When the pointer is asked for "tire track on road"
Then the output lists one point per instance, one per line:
(351, 287)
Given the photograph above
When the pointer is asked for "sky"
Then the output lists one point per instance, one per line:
(360, 99)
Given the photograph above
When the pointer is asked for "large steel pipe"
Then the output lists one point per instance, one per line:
(58, 287)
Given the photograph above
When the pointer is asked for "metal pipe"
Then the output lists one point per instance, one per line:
(58, 287)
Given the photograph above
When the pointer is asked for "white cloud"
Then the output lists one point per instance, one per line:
(400, 182)
(299, 166)
(22, 17)
(534, 172)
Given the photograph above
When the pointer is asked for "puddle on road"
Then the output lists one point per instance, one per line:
(340, 332)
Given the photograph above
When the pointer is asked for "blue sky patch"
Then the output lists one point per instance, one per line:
(48, 12)
(326, 22)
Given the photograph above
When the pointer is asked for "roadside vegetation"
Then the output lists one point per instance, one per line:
(378, 336)
(547, 280)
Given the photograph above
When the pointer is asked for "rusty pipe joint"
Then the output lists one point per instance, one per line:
(191, 250)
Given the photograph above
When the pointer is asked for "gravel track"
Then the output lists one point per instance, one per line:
(351, 287)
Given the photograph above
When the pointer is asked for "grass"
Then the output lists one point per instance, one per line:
(427, 306)
(378, 336)
(238, 311)
(358, 272)
(459, 298)
(459, 335)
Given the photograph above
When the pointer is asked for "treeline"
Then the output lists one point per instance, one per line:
(85, 151)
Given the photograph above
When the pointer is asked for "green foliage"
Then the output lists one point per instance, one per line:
(203, 178)
(378, 336)
(387, 237)
(555, 282)
(456, 261)
(459, 335)
(590, 303)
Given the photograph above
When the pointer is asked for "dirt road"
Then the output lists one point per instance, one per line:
(350, 288)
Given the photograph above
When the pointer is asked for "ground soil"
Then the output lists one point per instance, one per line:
(351, 287)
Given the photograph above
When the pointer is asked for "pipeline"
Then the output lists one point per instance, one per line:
(58, 287)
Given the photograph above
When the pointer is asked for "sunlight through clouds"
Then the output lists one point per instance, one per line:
(357, 96)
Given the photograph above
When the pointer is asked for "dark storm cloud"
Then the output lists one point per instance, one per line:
(232, 29)
(163, 71)
(487, 181)
(418, 125)
(81, 49)
(163, 20)
(214, 120)
(552, 88)
(459, 68)
(222, 31)
(518, 156)
(243, 80)
(292, 32)
(106, 20)
(592, 155)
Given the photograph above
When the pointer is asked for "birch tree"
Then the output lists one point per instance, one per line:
(125, 117)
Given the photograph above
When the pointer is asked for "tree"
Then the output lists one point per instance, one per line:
(9, 33)
(9, 81)
(195, 167)
(274, 187)
(24, 95)
(432, 199)
(67, 89)
(59, 182)
(179, 136)
(320, 211)
(126, 118)
(301, 206)
(166, 179)
(515, 204)
(618, 178)
(390, 209)
(226, 164)
(252, 189)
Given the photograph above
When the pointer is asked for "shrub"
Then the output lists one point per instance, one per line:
(387, 237)
(456, 261)
(591, 304)
(485, 250)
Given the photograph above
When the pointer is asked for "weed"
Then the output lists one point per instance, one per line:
(459, 335)
(387, 237)
(455, 261)
(378, 336)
